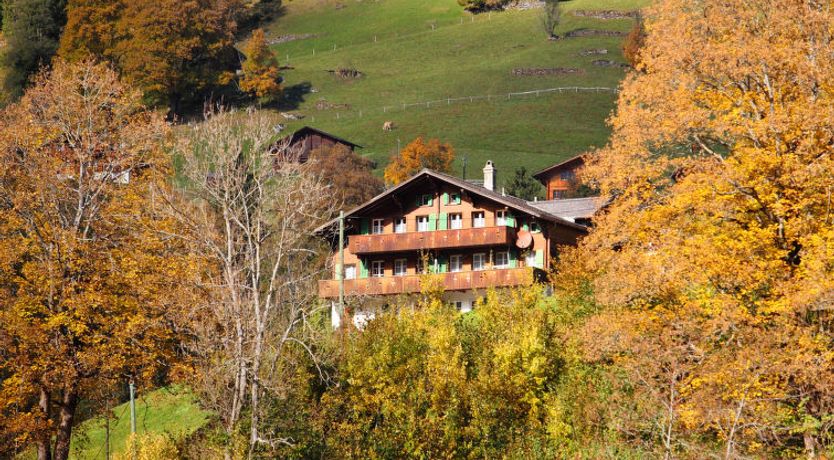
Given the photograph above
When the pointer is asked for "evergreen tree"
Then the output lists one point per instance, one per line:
(523, 185)
(32, 29)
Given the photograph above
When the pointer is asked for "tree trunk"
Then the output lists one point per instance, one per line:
(44, 448)
(68, 406)
(810, 445)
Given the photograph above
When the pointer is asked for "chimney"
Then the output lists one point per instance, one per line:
(489, 175)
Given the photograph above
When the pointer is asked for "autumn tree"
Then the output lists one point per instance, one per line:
(260, 69)
(634, 42)
(86, 266)
(523, 185)
(170, 59)
(31, 29)
(419, 155)
(712, 267)
(250, 212)
(350, 174)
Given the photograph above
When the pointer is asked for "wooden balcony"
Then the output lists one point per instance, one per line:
(440, 239)
(459, 281)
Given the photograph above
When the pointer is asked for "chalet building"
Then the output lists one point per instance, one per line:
(472, 236)
(307, 139)
(560, 178)
(578, 210)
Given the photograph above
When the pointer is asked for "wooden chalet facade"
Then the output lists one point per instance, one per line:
(560, 178)
(471, 236)
(302, 142)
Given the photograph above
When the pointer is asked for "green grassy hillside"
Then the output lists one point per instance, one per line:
(428, 50)
(163, 411)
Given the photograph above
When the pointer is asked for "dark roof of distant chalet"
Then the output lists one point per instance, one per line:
(309, 129)
(546, 170)
(506, 200)
(571, 208)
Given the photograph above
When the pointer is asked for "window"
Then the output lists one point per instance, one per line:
(350, 272)
(400, 267)
(454, 198)
(502, 259)
(399, 225)
(456, 263)
(500, 218)
(425, 200)
(455, 221)
(378, 269)
(558, 194)
(534, 227)
(478, 220)
(567, 175)
(530, 259)
(422, 223)
(458, 305)
(479, 261)
(378, 226)
(421, 266)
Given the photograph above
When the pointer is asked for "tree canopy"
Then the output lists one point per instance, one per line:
(419, 155)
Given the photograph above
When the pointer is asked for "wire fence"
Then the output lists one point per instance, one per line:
(436, 103)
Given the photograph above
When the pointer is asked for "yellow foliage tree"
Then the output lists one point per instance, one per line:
(418, 155)
(260, 69)
(86, 272)
(714, 262)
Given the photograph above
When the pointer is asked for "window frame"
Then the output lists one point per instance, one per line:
(420, 220)
(374, 227)
(459, 258)
(426, 199)
(482, 215)
(404, 227)
(404, 267)
(353, 269)
(483, 258)
(506, 256)
(501, 218)
(374, 265)
(452, 218)
(455, 199)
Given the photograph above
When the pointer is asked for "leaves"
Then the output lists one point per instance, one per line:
(419, 155)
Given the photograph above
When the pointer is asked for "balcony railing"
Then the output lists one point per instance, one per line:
(440, 239)
(459, 281)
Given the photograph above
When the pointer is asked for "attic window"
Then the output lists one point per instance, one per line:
(425, 200)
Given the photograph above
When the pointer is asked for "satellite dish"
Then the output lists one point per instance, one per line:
(524, 239)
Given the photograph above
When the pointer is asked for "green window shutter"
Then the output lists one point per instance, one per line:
(457, 198)
(540, 258)
(363, 268)
(525, 227)
(445, 198)
(442, 221)
(510, 220)
(431, 200)
(443, 263)
(513, 259)
(432, 222)
(364, 226)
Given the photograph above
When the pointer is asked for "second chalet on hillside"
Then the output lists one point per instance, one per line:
(471, 235)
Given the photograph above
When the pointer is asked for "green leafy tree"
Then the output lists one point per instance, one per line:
(523, 185)
(31, 29)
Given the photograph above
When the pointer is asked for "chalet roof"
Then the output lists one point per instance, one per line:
(507, 200)
(548, 169)
(571, 208)
(309, 129)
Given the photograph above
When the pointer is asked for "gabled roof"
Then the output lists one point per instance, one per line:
(571, 208)
(309, 129)
(548, 169)
(507, 200)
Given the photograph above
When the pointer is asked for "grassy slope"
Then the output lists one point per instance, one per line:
(411, 63)
(165, 410)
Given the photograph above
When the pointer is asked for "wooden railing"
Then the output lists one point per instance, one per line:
(459, 281)
(440, 239)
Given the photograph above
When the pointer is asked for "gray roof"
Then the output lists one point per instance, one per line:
(506, 200)
(571, 208)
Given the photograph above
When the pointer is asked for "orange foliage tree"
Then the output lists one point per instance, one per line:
(350, 174)
(170, 49)
(260, 69)
(86, 271)
(418, 155)
(714, 264)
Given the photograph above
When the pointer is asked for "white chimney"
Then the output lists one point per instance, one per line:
(489, 175)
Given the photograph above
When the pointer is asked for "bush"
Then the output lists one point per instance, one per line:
(483, 5)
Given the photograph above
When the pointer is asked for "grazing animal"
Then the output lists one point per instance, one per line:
(388, 126)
